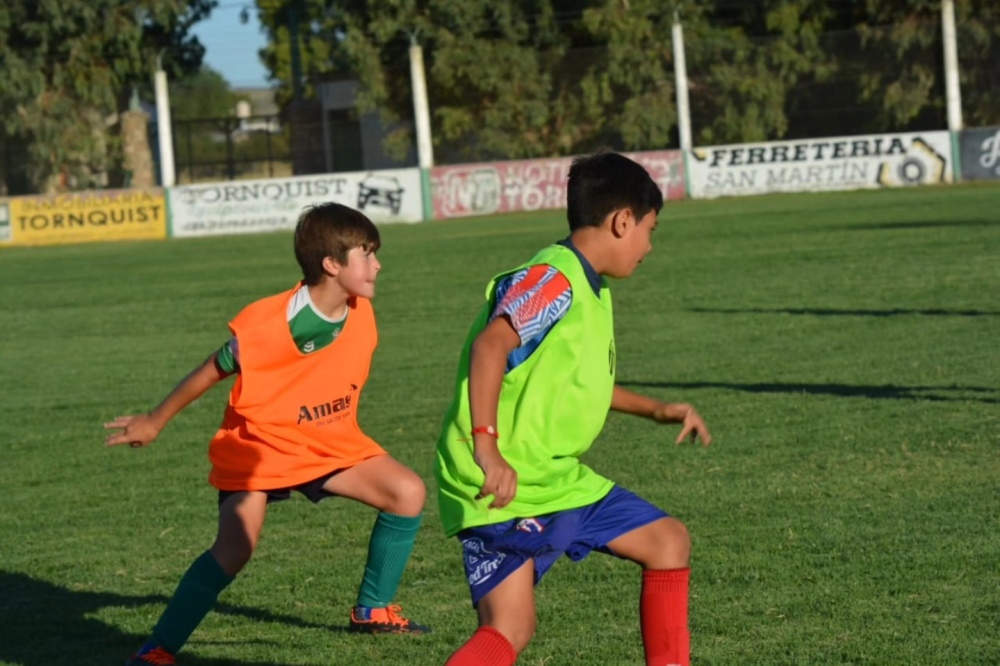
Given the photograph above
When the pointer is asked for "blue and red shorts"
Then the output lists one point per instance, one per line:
(493, 552)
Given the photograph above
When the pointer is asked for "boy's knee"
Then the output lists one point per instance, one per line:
(518, 632)
(675, 545)
(231, 556)
(410, 495)
(679, 533)
(527, 632)
(666, 544)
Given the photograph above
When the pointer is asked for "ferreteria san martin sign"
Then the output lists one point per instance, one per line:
(980, 153)
(812, 165)
(253, 206)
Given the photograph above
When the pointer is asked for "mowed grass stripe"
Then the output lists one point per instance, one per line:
(842, 347)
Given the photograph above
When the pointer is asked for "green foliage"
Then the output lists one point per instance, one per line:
(540, 77)
(68, 67)
(837, 344)
(746, 63)
(904, 65)
(313, 21)
(630, 87)
(203, 94)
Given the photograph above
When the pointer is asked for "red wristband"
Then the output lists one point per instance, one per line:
(486, 430)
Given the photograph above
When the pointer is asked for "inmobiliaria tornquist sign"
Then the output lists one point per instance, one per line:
(812, 165)
(527, 185)
(251, 206)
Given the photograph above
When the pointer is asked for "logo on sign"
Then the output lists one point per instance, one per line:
(990, 156)
(383, 191)
(463, 191)
(921, 164)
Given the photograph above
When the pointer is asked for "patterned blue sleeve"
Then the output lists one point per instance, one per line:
(534, 300)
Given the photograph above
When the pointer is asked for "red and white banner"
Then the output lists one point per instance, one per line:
(526, 185)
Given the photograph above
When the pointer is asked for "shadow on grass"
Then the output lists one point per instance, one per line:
(46, 624)
(922, 224)
(834, 312)
(878, 392)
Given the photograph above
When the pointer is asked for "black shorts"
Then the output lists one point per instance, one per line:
(313, 490)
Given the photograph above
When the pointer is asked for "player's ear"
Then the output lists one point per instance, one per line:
(621, 221)
(331, 266)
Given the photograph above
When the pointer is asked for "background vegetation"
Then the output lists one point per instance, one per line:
(524, 78)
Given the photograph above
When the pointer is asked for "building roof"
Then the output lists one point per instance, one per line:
(261, 100)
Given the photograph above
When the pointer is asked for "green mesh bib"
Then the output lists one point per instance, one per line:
(552, 407)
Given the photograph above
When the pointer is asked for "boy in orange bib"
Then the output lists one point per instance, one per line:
(300, 358)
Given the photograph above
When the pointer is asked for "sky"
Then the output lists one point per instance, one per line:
(231, 47)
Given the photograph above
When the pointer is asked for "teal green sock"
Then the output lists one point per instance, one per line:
(388, 551)
(195, 596)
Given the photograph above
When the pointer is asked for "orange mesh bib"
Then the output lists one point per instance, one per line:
(292, 417)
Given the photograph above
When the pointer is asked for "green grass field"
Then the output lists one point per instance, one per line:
(842, 347)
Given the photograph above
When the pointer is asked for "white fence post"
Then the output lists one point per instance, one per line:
(953, 92)
(164, 130)
(681, 83)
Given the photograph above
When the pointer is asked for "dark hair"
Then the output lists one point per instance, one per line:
(331, 230)
(604, 182)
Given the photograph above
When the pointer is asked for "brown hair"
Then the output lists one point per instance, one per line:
(331, 230)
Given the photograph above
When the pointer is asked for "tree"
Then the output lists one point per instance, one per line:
(67, 68)
(527, 78)
(202, 94)
(543, 77)
(748, 62)
(509, 73)
(903, 70)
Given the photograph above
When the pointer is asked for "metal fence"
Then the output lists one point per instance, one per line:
(229, 148)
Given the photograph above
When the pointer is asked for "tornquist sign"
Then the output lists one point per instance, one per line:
(812, 165)
(251, 206)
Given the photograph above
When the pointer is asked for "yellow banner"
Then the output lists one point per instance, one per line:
(83, 217)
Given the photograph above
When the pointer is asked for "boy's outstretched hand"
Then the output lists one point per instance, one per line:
(136, 431)
(692, 425)
(623, 400)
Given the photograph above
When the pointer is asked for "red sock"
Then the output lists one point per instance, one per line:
(487, 647)
(663, 614)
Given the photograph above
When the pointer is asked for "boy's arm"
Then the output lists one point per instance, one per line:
(628, 402)
(487, 364)
(142, 429)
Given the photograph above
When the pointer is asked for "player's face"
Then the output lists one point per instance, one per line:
(638, 243)
(357, 277)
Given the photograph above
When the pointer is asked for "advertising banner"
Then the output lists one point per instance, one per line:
(251, 206)
(980, 153)
(83, 217)
(526, 185)
(5, 234)
(814, 165)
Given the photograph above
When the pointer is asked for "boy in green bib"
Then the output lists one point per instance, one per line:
(535, 382)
